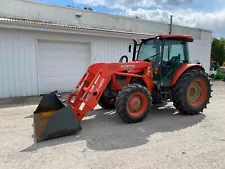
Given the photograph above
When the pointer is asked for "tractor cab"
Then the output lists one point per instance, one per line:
(166, 52)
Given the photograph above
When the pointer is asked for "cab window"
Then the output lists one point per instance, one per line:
(150, 48)
(174, 49)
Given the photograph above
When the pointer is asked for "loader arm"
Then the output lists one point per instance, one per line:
(92, 85)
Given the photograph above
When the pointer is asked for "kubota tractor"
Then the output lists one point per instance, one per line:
(159, 71)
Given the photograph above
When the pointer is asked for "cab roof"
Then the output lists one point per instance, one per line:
(172, 36)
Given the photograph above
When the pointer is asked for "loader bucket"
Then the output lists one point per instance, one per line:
(54, 118)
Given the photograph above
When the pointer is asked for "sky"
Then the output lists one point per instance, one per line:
(205, 14)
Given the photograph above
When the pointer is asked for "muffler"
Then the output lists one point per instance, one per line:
(54, 118)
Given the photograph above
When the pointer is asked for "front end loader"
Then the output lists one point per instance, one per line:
(56, 117)
(159, 71)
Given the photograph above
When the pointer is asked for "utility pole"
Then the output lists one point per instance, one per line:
(171, 23)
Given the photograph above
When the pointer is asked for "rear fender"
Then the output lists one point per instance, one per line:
(182, 69)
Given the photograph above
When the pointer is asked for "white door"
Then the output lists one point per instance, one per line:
(61, 65)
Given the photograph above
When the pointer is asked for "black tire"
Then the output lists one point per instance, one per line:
(105, 104)
(123, 99)
(180, 92)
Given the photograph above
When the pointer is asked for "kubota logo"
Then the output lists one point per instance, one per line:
(100, 85)
(127, 66)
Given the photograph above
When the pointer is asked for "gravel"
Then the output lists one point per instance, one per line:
(164, 140)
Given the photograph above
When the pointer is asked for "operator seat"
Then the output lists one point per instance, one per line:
(171, 66)
(175, 60)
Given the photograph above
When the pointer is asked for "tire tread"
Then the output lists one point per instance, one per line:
(121, 102)
(179, 92)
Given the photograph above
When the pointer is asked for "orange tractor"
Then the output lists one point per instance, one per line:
(160, 70)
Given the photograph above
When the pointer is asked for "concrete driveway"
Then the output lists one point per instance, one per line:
(164, 140)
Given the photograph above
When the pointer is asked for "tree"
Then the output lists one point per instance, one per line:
(218, 50)
(88, 8)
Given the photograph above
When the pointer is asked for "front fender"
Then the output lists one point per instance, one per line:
(182, 69)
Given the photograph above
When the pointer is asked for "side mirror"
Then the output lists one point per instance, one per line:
(129, 48)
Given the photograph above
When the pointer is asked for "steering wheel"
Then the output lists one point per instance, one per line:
(151, 57)
(124, 56)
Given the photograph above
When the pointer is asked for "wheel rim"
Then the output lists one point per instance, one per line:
(196, 93)
(137, 104)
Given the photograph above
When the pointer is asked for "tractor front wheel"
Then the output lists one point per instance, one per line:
(192, 92)
(133, 103)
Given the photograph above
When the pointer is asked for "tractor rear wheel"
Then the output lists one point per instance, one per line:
(133, 103)
(192, 92)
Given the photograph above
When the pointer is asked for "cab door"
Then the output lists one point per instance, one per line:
(174, 55)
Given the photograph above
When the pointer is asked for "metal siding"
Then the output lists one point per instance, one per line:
(18, 56)
(18, 64)
(109, 50)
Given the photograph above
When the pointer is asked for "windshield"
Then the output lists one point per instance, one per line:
(150, 50)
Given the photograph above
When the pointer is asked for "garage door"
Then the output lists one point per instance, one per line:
(61, 65)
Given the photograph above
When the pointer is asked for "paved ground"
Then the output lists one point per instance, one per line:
(164, 140)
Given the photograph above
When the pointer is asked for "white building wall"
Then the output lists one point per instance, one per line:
(18, 57)
(200, 50)
(109, 50)
(17, 64)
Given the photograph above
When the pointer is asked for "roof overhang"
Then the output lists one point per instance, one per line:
(33, 25)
